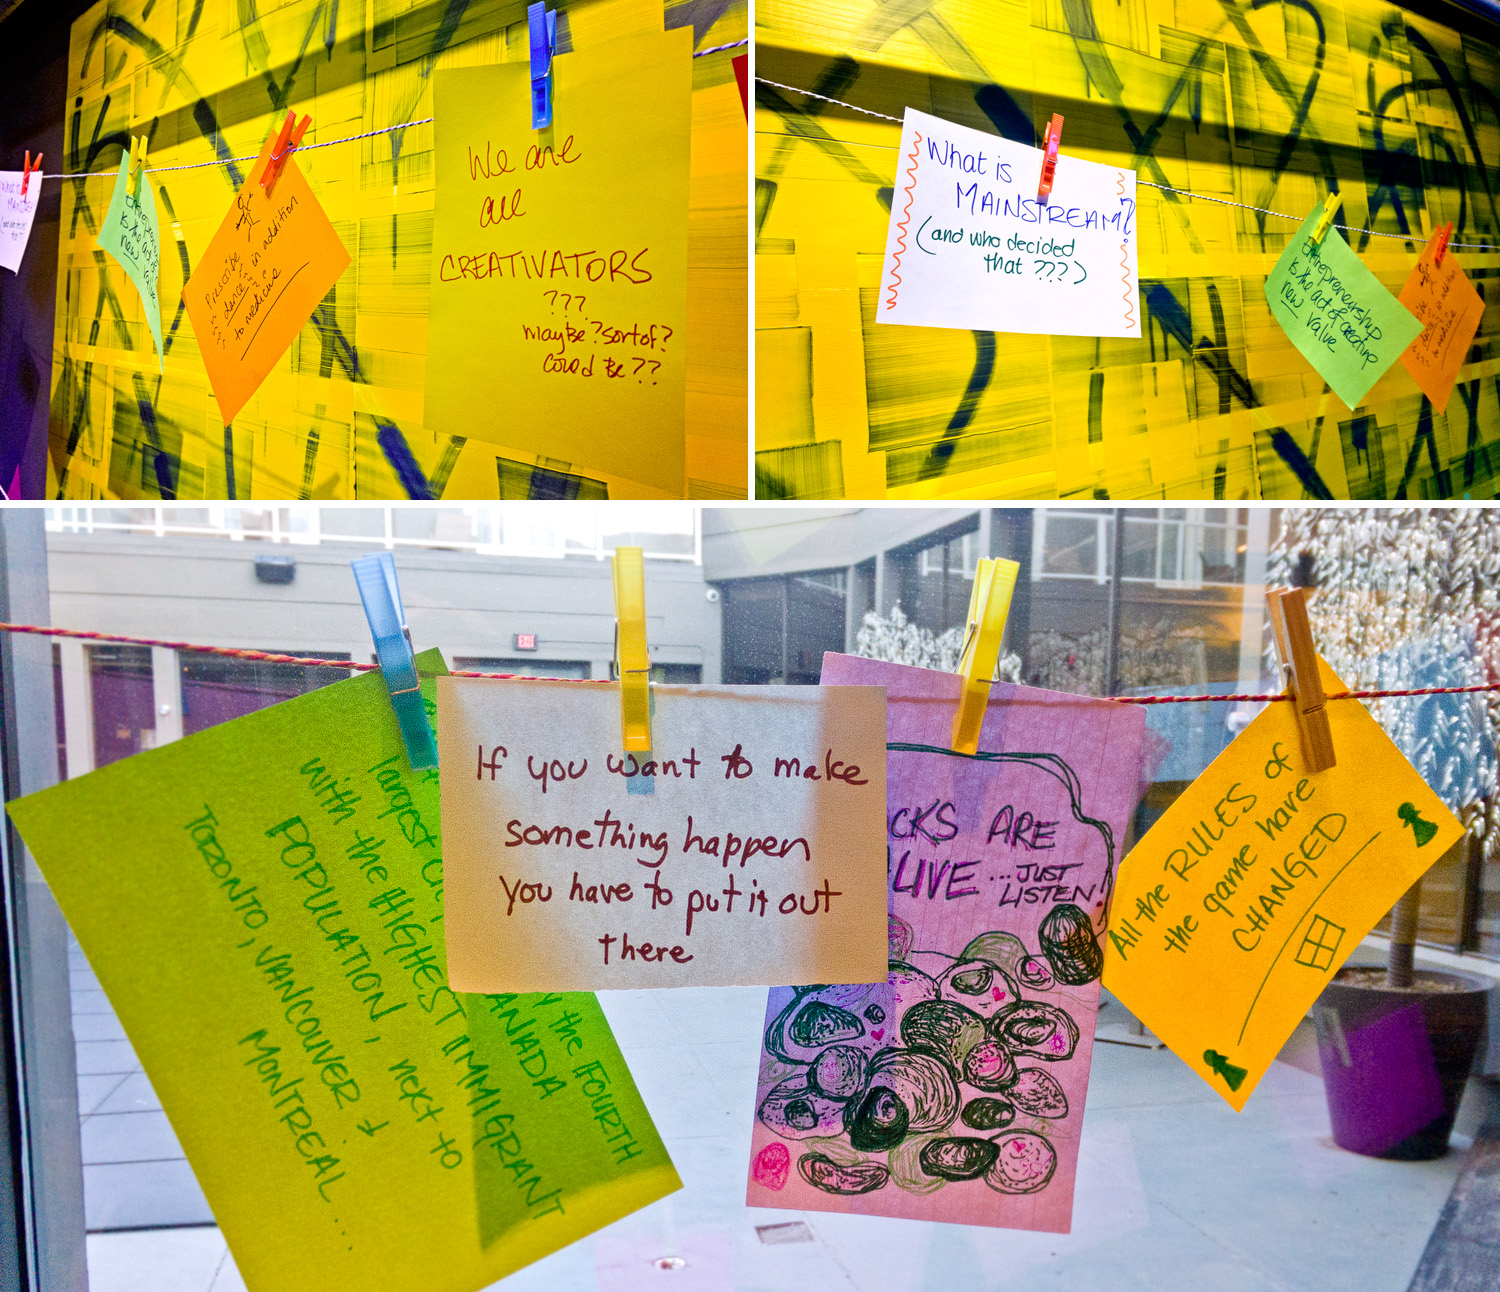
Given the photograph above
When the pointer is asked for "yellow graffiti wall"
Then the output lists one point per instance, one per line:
(341, 416)
(1264, 104)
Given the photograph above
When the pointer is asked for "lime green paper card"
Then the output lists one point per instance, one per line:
(1345, 322)
(131, 234)
(263, 904)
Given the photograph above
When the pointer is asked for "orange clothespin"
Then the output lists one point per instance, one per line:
(290, 136)
(1331, 205)
(1299, 667)
(137, 165)
(1438, 242)
(1050, 142)
(28, 169)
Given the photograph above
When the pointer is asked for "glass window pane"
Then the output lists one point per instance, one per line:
(1168, 570)
(1141, 539)
(123, 701)
(1071, 546)
(352, 522)
(216, 689)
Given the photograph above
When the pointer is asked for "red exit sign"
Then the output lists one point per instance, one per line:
(525, 641)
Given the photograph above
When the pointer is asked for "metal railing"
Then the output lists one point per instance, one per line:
(667, 531)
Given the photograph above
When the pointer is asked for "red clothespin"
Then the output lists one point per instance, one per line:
(1050, 142)
(27, 170)
(290, 136)
(1439, 242)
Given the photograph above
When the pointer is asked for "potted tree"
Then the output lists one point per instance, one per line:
(1401, 601)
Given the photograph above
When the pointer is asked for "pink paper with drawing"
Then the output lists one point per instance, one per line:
(954, 1091)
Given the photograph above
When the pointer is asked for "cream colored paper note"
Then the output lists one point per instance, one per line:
(748, 846)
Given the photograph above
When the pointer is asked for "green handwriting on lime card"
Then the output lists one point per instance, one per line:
(1334, 310)
(130, 234)
(263, 904)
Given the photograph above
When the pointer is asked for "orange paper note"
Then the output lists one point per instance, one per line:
(1444, 299)
(272, 260)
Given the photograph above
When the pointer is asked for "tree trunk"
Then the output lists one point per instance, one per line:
(1403, 938)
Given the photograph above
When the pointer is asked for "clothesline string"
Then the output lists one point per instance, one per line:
(306, 148)
(1166, 188)
(271, 657)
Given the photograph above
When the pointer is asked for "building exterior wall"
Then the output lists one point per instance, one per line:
(471, 606)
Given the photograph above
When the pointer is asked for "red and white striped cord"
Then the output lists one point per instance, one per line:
(270, 657)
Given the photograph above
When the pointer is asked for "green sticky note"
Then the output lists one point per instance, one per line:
(263, 904)
(1347, 325)
(131, 234)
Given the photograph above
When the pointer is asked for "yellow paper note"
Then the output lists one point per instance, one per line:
(1253, 888)
(748, 845)
(263, 904)
(1449, 308)
(259, 279)
(558, 310)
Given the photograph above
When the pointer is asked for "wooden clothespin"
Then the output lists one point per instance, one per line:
(1050, 143)
(632, 659)
(1331, 205)
(542, 28)
(1299, 667)
(375, 576)
(290, 136)
(27, 171)
(137, 165)
(989, 606)
(1437, 244)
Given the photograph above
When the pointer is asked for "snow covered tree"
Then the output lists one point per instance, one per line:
(1409, 597)
(1150, 655)
(895, 639)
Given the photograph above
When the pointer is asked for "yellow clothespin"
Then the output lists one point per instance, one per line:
(632, 661)
(1331, 206)
(137, 164)
(989, 605)
(1299, 667)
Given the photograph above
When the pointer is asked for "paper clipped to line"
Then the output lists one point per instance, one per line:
(16, 216)
(267, 268)
(131, 233)
(558, 309)
(744, 847)
(954, 1089)
(970, 245)
(263, 905)
(1336, 312)
(1449, 308)
(1252, 889)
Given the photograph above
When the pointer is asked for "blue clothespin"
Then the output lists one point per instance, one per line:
(543, 27)
(375, 576)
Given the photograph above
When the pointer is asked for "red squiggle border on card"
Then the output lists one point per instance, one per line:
(1127, 295)
(916, 145)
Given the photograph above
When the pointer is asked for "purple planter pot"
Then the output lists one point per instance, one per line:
(1395, 1062)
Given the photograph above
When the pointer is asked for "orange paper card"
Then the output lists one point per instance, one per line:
(272, 260)
(1251, 890)
(1445, 301)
